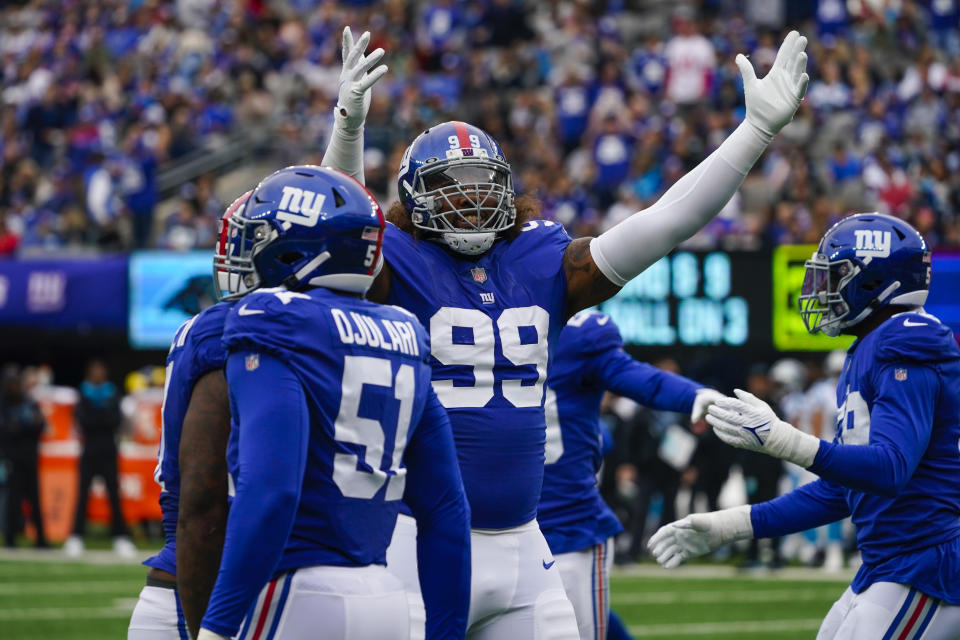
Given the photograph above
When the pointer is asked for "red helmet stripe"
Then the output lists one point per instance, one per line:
(225, 220)
(462, 134)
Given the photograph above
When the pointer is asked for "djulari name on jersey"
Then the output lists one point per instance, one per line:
(360, 329)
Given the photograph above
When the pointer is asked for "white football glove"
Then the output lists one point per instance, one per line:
(705, 397)
(747, 422)
(356, 78)
(698, 534)
(206, 634)
(771, 102)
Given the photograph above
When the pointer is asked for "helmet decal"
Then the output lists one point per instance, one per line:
(305, 226)
(863, 263)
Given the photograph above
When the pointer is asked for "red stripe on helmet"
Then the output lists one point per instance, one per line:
(225, 221)
(462, 134)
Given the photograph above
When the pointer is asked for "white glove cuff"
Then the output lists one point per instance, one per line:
(793, 445)
(345, 151)
(342, 124)
(744, 146)
(206, 634)
(734, 524)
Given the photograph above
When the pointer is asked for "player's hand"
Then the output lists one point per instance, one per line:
(699, 534)
(772, 101)
(704, 398)
(356, 78)
(206, 634)
(747, 422)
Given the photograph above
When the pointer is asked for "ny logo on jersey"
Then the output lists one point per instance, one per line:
(872, 243)
(486, 297)
(299, 206)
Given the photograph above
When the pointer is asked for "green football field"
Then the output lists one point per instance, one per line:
(43, 595)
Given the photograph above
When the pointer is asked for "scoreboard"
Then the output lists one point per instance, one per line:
(697, 299)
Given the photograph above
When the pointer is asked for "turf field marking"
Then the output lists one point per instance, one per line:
(121, 609)
(695, 572)
(713, 628)
(766, 595)
(64, 588)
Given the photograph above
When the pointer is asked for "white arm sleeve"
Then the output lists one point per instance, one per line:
(345, 151)
(623, 252)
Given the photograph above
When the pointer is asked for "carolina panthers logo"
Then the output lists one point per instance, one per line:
(872, 243)
(298, 206)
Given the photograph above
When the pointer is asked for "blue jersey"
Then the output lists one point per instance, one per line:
(589, 359)
(492, 321)
(894, 465)
(195, 351)
(331, 398)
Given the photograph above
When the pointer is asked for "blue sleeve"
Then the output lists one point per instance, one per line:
(434, 492)
(272, 447)
(900, 424)
(644, 383)
(809, 506)
(208, 354)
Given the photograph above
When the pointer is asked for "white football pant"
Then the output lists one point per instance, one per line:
(157, 616)
(890, 611)
(334, 603)
(586, 577)
(516, 592)
(403, 564)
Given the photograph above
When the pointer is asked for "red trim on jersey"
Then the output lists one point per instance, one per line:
(267, 599)
(913, 618)
(462, 134)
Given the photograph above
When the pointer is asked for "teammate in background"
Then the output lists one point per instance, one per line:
(578, 525)
(334, 421)
(495, 286)
(894, 465)
(195, 412)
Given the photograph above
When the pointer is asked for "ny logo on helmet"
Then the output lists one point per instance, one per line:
(299, 206)
(872, 243)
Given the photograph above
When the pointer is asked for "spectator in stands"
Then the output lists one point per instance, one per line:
(99, 420)
(155, 86)
(21, 424)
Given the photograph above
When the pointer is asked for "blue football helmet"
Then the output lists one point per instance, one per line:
(304, 226)
(863, 263)
(457, 185)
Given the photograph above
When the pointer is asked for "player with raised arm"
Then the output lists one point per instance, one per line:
(194, 409)
(894, 464)
(334, 421)
(579, 526)
(495, 287)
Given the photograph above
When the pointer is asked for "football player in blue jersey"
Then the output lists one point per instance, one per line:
(579, 527)
(494, 287)
(894, 464)
(194, 384)
(334, 422)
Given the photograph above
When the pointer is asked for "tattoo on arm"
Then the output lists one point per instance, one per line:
(203, 495)
(586, 284)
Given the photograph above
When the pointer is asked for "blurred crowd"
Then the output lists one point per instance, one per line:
(600, 107)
